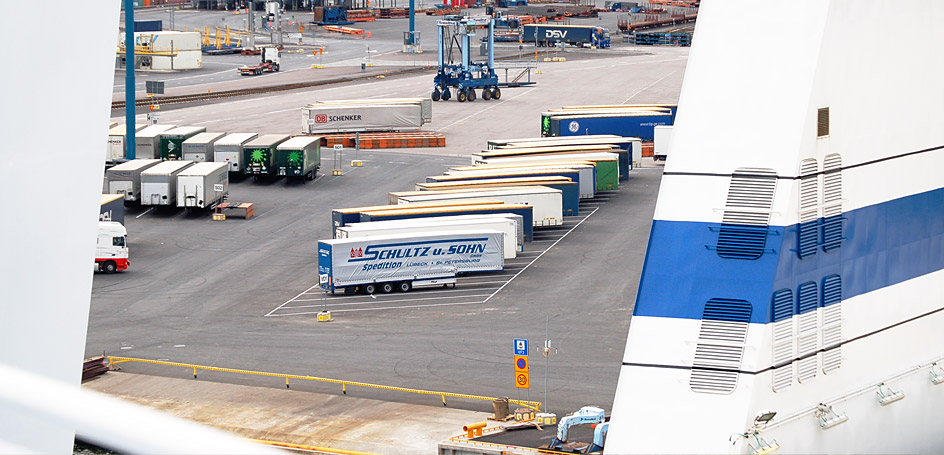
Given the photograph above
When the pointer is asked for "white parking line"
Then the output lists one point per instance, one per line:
(403, 307)
(388, 301)
(293, 298)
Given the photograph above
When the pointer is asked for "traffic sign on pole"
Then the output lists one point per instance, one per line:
(522, 380)
(521, 346)
(521, 364)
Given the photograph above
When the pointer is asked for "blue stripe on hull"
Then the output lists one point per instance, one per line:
(883, 244)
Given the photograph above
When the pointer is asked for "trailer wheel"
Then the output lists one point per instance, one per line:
(436, 95)
(370, 288)
(386, 288)
(471, 95)
(496, 93)
(461, 97)
(404, 286)
(109, 267)
(446, 95)
(486, 94)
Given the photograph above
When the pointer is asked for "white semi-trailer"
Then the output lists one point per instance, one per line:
(159, 183)
(513, 240)
(229, 149)
(202, 186)
(404, 261)
(125, 178)
(147, 142)
(547, 203)
(587, 173)
(200, 147)
(349, 118)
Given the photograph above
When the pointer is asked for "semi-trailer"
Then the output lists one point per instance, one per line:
(514, 181)
(159, 183)
(229, 149)
(670, 108)
(572, 174)
(172, 141)
(638, 124)
(509, 228)
(631, 145)
(202, 186)
(350, 118)
(346, 216)
(548, 208)
(259, 154)
(517, 219)
(624, 157)
(402, 262)
(576, 35)
(125, 178)
(147, 141)
(587, 171)
(111, 247)
(407, 212)
(570, 193)
(425, 103)
(662, 142)
(116, 142)
(200, 147)
(299, 157)
(538, 141)
(606, 165)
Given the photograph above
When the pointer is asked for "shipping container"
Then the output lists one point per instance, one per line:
(344, 217)
(147, 142)
(607, 165)
(456, 208)
(113, 208)
(587, 170)
(632, 146)
(402, 262)
(672, 109)
(259, 154)
(425, 103)
(570, 192)
(638, 124)
(200, 147)
(172, 141)
(159, 183)
(125, 178)
(624, 157)
(116, 142)
(202, 186)
(513, 242)
(576, 35)
(547, 203)
(343, 118)
(662, 142)
(229, 149)
(185, 47)
(299, 157)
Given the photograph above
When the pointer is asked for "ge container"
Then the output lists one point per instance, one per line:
(202, 186)
(200, 147)
(629, 124)
(147, 142)
(547, 202)
(513, 242)
(172, 141)
(299, 157)
(159, 183)
(229, 149)
(125, 178)
(400, 262)
(259, 154)
(343, 118)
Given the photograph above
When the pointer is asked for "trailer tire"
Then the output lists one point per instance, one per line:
(496, 93)
(370, 288)
(461, 97)
(109, 267)
(446, 95)
(386, 288)
(471, 95)
(486, 94)
(404, 286)
(275, 67)
(436, 95)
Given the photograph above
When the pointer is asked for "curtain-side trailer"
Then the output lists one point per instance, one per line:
(299, 157)
(202, 186)
(148, 140)
(572, 174)
(517, 219)
(408, 212)
(345, 216)
(625, 156)
(116, 142)
(508, 227)
(349, 118)
(606, 166)
(548, 208)
(570, 194)
(401, 262)
(588, 178)
(200, 147)
(259, 154)
(229, 149)
(172, 141)
(425, 104)
(159, 183)
(125, 178)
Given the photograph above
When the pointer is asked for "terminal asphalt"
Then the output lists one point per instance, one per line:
(198, 290)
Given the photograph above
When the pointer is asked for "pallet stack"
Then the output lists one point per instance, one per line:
(412, 139)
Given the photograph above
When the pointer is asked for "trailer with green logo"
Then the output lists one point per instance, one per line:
(172, 141)
(299, 157)
(259, 154)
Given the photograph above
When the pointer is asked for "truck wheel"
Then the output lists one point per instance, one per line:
(404, 286)
(486, 94)
(276, 67)
(109, 267)
(496, 93)
(370, 288)
(386, 288)
(446, 95)
(436, 95)
(461, 97)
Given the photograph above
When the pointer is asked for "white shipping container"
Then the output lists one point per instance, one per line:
(425, 103)
(513, 242)
(547, 203)
(184, 60)
(116, 142)
(229, 149)
(200, 147)
(147, 142)
(662, 141)
(342, 118)
(159, 183)
(125, 178)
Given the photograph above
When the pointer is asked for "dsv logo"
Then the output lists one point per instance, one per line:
(555, 34)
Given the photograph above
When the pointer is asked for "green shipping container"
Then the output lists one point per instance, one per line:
(172, 141)
(299, 157)
(259, 154)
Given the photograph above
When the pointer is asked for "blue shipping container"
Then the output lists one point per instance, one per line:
(640, 126)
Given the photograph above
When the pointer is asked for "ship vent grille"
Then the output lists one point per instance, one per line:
(783, 339)
(720, 346)
(808, 216)
(744, 225)
(807, 336)
(832, 323)
(832, 202)
(822, 122)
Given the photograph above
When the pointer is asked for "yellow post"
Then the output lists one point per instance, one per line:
(195, 372)
(286, 382)
(206, 36)
(443, 398)
(219, 39)
(344, 388)
(228, 43)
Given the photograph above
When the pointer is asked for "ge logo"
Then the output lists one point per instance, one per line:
(574, 127)
(321, 118)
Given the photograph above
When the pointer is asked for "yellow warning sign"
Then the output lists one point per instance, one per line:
(522, 380)
(521, 363)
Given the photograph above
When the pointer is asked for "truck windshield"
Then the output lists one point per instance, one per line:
(118, 241)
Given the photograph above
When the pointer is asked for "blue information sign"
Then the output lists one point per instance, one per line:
(521, 346)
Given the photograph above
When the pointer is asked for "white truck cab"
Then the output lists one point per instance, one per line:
(111, 250)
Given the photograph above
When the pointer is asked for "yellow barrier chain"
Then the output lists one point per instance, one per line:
(535, 405)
